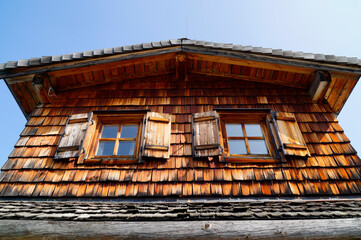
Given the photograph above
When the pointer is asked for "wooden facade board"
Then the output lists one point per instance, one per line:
(332, 170)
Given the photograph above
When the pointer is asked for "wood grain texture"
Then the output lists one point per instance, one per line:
(72, 139)
(206, 140)
(156, 137)
(332, 170)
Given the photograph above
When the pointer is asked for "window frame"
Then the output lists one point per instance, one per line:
(247, 116)
(102, 118)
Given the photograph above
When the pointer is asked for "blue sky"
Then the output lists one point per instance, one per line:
(42, 28)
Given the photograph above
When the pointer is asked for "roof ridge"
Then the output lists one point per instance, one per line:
(179, 42)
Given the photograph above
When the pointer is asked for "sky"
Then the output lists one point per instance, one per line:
(44, 28)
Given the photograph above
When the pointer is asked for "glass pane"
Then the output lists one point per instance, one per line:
(105, 148)
(253, 130)
(257, 146)
(126, 148)
(129, 131)
(237, 147)
(234, 130)
(110, 131)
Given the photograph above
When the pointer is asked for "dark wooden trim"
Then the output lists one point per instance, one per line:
(27, 116)
(319, 85)
(243, 110)
(272, 59)
(127, 111)
(204, 119)
(252, 159)
(209, 146)
(86, 62)
(192, 49)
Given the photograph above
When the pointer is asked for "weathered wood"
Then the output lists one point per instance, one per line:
(265, 229)
(251, 79)
(71, 143)
(345, 93)
(319, 85)
(290, 65)
(87, 63)
(288, 135)
(158, 119)
(181, 66)
(43, 88)
(156, 135)
(209, 146)
(201, 119)
(160, 148)
(206, 139)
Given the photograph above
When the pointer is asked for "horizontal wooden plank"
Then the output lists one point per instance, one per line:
(299, 146)
(155, 119)
(349, 228)
(154, 147)
(204, 119)
(209, 146)
(292, 119)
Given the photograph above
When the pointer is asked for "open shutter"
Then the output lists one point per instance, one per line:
(288, 135)
(156, 135)
(206, 140)
(71, 142)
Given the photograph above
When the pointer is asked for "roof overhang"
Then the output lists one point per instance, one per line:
(182, 59)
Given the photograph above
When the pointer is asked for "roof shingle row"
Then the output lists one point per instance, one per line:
(178, 42)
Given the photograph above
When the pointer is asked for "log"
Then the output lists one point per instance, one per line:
(349, 228)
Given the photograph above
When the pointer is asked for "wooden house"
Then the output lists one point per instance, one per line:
(184, 121)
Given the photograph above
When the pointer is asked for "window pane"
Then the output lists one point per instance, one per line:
(105, 148)
(257, 147)
(253, 130)
(129, 131)
(234, 130)
(126, 148)
(110, 131)
(237, 147)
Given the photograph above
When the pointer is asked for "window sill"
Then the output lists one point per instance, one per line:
(251, 159)
(111, 161)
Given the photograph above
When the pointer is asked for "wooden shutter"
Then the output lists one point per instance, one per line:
(156, 135)
(206, 140)
(71, 142)
(288, 135)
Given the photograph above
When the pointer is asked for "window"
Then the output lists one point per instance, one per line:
(236, 135)
(246, 139)
(245, 135)
(117, 140)
(115, 137)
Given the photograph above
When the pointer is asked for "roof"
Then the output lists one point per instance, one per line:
(45, 60)
(155, 83)
(180, 210)
(293, 69)
(240, 220)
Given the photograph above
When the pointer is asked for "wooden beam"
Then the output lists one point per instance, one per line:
(43, 88)
(342, 228)
(319, 85)
(293, 65)
(87, 62)
(246, 78)
(181, 66)
(10, 87)
(122, 63)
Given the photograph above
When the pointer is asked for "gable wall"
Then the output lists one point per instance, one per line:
(333, 169)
